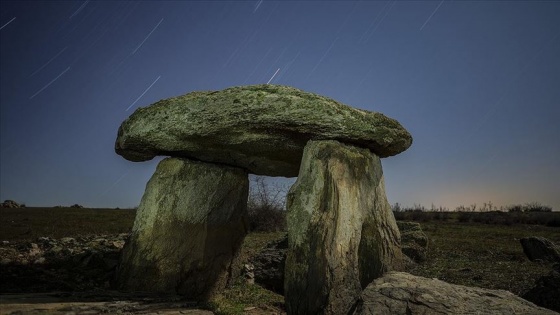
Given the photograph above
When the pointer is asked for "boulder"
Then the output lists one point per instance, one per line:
(11, 204)
(341, 230)
(188, 230)
(540, 248)
(414, 241)
(546, 292)
(260, 128)
(403, 293)
(269, 265)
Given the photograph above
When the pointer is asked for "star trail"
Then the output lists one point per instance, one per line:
(475, 83)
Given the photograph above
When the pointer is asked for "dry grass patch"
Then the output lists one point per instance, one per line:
(488, 256)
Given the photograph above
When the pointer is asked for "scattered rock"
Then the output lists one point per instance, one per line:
(341, 230)
(49, 264)
(40, 260)
(11, 204)
(248, 273)
(68, 240)
(260, 128)
(34, 250)
(189, 227)
(269, 265)
(98, 302)
(540, 248)
(546, 292)
(414, 242)
(403, 293)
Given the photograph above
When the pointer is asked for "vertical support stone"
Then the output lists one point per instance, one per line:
(188, 229)
(341, 231)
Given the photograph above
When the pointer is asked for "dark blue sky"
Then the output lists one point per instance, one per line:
(477, 83)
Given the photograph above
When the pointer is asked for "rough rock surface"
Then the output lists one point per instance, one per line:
(188, 229)
(66, 264)
(403, 293)
(413, 240)
(341, 230)
(269, 265)
(261, 128)
(540, 248)
(11, 204)
(270, 261)
(546, 293)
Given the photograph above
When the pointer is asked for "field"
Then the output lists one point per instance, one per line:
(470, 252)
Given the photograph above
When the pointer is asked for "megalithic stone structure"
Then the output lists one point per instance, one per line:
(341, 230)
(189, 227)
(191, 220)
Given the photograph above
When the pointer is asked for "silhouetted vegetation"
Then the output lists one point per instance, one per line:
(266, 207)
(530, 213)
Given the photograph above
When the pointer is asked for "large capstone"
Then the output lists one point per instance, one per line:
(341, 231)
(188, 229)
(260, 128)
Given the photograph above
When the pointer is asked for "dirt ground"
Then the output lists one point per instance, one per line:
(73, 275)
(107, 302)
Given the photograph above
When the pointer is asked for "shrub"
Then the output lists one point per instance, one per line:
(515, 208)
(537, 207)
(266, 207)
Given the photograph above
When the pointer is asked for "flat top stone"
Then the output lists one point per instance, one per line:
(261, 128)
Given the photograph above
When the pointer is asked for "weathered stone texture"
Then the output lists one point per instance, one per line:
(261, 128)
(188, 229)
(403, 293)
(341, 231)
(414, 241)
(540, 248)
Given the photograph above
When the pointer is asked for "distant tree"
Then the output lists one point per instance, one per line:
(266, 206)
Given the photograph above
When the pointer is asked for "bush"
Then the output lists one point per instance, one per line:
(537, 207)
(515, 208)
(266, 207)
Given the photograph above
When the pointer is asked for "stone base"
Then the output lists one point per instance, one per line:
(188, 229)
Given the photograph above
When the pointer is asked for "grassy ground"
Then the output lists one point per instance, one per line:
(31, 223)
(468, 253)
(483, 255)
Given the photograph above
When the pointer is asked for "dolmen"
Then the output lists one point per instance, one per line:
(193, 216)
(344, 254)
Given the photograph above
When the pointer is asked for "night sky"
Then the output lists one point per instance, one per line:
(476, 83)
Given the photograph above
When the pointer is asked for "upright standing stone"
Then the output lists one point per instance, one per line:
(341, 231)
(188, 229)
